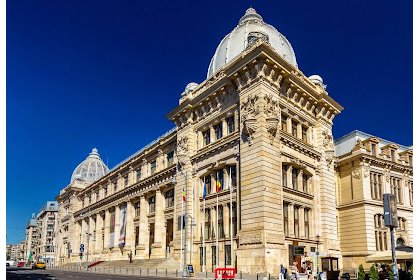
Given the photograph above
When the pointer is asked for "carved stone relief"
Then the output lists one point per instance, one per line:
(327, 142)
(272, 114)
(249, 112)
(356, 173)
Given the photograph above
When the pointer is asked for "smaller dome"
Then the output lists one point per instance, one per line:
(316, 79)
(190, 87)
(91, 169)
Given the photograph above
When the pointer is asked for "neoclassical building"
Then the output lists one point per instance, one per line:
(257, 129)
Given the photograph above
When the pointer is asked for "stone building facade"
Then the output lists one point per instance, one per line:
(31, 238)
(367, 167)
(257, 129)
(46, 226)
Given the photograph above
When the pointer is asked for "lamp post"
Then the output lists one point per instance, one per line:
(317, 255)
(88, 238)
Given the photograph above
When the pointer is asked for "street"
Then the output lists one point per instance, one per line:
(27, 274)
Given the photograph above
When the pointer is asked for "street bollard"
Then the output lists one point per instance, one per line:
(206, 273)
(257, 275)
(114, 269)
(240, 274)
(166, 272)
(147, 272)
(140, 271)
(176, 272)
(269, 277)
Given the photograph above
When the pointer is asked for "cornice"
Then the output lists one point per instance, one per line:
(299, 145)
(364, 202)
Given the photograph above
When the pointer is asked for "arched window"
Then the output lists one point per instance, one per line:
(401, 223)
(380, 233)
(400, 242)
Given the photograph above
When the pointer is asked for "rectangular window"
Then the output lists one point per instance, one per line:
(137, 235)
(152, 204)
(206, 137)
(294, 128)
(373, 149)
(220, 223)
(230, 124)
(153, 167)
(284, 175)
(376, 186)
(220, 178)
(305, 134)
(181, 219)
(228, 255)
(115, 186)
(207, 225)
(296, 221)
(202, 255)
(306, 219)
(125, 180)
(284, 123)
(137, 209)
(170, 158)
(410, 192)
(294, 178)
(410, 160)
(169, 198)
(232, 172)
(213, 255)
(138, 175)
(392, 155)
(305, 179)
(207, 181)
(218, 131)
(105, 191)
(234, 219)
(286, 219)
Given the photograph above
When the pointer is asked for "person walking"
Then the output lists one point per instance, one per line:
(282, 272)
(130, 257)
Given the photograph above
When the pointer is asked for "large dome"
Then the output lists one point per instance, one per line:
(91, 169)
(250, 26)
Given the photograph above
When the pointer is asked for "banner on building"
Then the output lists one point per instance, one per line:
(121, 241)
(112, 230)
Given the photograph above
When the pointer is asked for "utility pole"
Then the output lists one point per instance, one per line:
(88, 238)
(391, 221)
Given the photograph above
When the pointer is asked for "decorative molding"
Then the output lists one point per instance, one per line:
(356, 173)
(272, 114)
(249, 112)
(327, 142)
(250, 238)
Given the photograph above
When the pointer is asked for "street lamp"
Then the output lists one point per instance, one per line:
(184, 271)
(88, 238)
(317, 255)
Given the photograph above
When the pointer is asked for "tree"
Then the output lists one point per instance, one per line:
(361, 274)
(373, 273)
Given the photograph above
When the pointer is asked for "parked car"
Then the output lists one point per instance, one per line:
(21, 264)
(39, 265)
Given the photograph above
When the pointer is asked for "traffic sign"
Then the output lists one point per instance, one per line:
(82, 248)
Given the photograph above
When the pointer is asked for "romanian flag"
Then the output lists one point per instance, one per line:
(218, 184)
(184, 196)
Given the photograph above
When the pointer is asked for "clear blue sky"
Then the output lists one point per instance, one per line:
(84, 74)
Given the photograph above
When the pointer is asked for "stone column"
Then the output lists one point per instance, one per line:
(300, 180)
(291, 209)
(159, 243)
(224, 127)
(107, 228)
(289, 177)
(301, 222)
(98, 238)
(200, 139)
(92, 236)
(117, 225)
(299, 131)
(143, 247)
(130, 238)
(212, 134)
(226, 220)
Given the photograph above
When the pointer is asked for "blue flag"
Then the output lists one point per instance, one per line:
(204, 190)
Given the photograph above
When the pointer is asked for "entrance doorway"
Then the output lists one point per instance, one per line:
(169, 235)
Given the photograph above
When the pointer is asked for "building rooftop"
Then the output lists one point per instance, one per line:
(346, 143)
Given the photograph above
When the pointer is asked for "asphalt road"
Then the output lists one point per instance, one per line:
(27, 274)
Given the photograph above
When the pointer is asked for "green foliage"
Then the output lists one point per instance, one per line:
(410, 273)
(390, 272)
(373, 273)
(361, 274)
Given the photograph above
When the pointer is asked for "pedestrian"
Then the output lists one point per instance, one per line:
(294, 270)
(282, 271)
(130, 256)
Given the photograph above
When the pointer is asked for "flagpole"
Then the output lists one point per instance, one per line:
(231, 217)
(182, 223)
(202, 241)
(217, 228)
